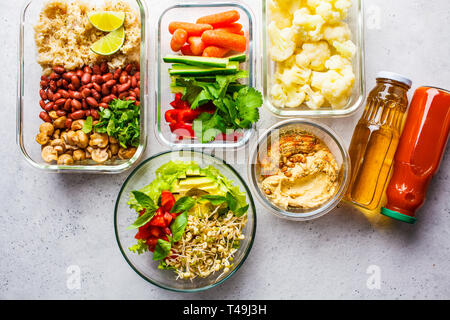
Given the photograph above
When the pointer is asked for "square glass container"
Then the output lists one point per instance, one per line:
(355, 21)
(189, 12)
(28, 98)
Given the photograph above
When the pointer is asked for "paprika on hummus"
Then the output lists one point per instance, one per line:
(299, 171)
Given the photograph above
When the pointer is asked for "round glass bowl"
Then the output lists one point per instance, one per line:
(331, 140)
(124, 216)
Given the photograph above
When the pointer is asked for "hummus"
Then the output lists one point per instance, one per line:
(299, 171)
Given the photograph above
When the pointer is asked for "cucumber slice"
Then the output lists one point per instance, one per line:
(197, 61)
(194, 71)
(238, 57)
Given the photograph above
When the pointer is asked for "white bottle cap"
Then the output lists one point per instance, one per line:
(394, 76)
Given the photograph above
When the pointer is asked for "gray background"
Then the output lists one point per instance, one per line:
(49, 222)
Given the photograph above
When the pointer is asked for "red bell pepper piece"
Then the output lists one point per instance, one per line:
(183, 130)
(187, 115)
(167, 200)
(171, 116)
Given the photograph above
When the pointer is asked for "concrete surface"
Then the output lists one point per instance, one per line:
(50, 223)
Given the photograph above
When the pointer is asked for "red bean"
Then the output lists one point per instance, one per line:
(107, 99)
(43, 94)
(117, 74)
(59, 83)
(110, 83)
(76, 104)
(86, 93)
(76, 95)
(61, 113)
(123, 77)
(86, 78)
(53, 85)
(64, 93)
(84, 104)
(96, 87)
(107, 77)
(105, 90)
(89, 85)
(79, 73)
(56, 96)
(92, 102)
(138, 76)
(42, 104)
(123, 95)
(49, 106)
(124, 87)
(77, 115)
(133, 82)
(68, 75)
(129, 68)
(44, 84)
(68, 123)
(95, 114)
(87, 69)
(75, 82)
(68, 104)
(97, 79)
(60, 102)
(45, 117)
(103, 105)
(87, 113)
(97, 96)
(104, 67)
(96, 69)
(54, 76)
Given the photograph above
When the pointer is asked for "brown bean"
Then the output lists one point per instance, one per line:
(54, 76)
(56, 96)
(71, 87)
(49, 106)
(87, 69)
(89, 85)
(97, 96)
(86, 78)
(43, 94)
(110, 83)
(59, 69)
(138, 92)
(49, 94)
(96, 69)
(114, 90)
(117, 73)
(97, 79)
(96, 87)
(86, 93)
(84, 104)
(60, 102)
(44, 78)
(87, 113)
(68, 123)
(65, 84)
(124, 87)
(130, 98)
(67, 104)
(76, 95)
(42, 104)
(103, 105)
(79, 73)
(105, 90)
(108, 76)
(92, 102)
(104, 67)
(133, 82)
(123, 95)
(107, 99)
(95, 114)
(59, 83)
(45, 117)
(132, 93)
(53, 85)
(123, 77)
(61, 113)
(65, 94)
(75, 81)
(76, 104)
(77, 115)
(129, 68)
(44, 84)
(138, 76)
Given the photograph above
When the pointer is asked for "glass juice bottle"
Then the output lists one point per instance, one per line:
(375, 142)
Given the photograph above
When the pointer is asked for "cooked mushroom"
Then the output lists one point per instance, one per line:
(58, 145)
(81, 139)
(53, 115)
(79, 155)
(125, 154)
(65, 159)
(60, 122)
(49, 154)
(113, 140)
(42, 138)
(114, 147)
(77, 125)
(100, 155)
(56, 134)
(46, 128)
(99, 140)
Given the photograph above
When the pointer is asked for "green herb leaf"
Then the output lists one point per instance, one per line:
(142, 220)
(179, 226)
(241, 211)
(183, 204)
(87, 126)
(232, 202)
(144, 200)
(215, 200)
(162, 249)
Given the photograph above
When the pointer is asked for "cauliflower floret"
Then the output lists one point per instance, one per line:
(314, 99)
(333, 86)
(282, 42)
(282, 11)
(339, 32)
(342, 6)
(337, 62)
(279, 96)
(314, 55)
(309, 23)
(295, 97)
(294, 76)
(325, 10)
(346, 49)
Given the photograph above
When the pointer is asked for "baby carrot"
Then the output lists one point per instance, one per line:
(197, 45)
(215, 52)
(225, 40)
(220, 19)
(192, 29)
(226, 29)
(186, 50)
(233, 28)
(179, 38)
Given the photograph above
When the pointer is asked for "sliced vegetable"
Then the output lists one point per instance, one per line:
(220, 19)
(109, 44)
(238, 57)
(188, 71)
(107, 21)
(197, 61)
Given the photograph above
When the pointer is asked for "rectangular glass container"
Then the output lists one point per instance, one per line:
(355, 21)
(28, 98)
(189, 12)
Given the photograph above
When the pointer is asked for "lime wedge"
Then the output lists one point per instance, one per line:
(107, 21)
(109, 44)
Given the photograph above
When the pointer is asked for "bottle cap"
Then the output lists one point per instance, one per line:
(398, 216)
(394, 76)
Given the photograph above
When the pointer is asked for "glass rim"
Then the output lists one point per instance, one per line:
(253, 231)
(314, 213)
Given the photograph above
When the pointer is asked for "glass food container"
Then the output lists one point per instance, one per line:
(329, 138)
(355, 21)
(189, 12)
(143, 264)
(28, 108)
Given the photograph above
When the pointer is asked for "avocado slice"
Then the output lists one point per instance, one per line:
(197, 182)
